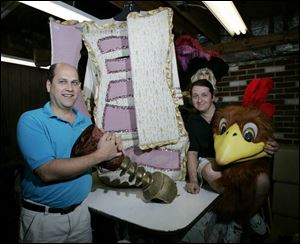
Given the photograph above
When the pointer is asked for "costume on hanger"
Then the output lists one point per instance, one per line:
(131, 76)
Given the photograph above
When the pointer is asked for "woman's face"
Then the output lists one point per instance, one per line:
(202, 99)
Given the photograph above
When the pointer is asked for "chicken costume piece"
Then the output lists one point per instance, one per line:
(240, 134)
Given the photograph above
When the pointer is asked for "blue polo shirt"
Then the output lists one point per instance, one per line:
(42, 136)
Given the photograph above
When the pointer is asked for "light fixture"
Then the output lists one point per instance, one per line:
(60, 9)
(55, 8)
(21, 61)
(227, 15)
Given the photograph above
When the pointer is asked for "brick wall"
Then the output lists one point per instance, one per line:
(285, 93)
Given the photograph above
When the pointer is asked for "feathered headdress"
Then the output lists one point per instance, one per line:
(256, 94)
(192, 57)
(188, 48)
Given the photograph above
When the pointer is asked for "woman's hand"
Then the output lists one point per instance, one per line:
(192, 187)
(271, 146)
(211, 175)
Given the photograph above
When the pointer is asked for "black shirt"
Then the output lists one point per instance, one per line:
(201, 135)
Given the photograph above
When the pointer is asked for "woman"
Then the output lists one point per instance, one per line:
(200, 129)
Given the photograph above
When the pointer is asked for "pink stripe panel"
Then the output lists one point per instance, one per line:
(159, 159)
(118, 119)
(81, 106)
(118, 65)
(118, 89)
(112, 43)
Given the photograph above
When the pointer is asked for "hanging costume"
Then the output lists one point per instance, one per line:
(131, 76)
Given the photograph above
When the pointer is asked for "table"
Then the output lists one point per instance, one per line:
(128, 205)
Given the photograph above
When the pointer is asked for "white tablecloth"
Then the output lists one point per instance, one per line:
(128, 204)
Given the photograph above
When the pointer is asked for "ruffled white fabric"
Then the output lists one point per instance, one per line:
(150, 52)
(156, 88)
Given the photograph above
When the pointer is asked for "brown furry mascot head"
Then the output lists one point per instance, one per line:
(240, 133)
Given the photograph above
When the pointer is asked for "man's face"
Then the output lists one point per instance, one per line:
(65, 87)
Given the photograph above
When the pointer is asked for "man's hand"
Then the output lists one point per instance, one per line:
(108, 147)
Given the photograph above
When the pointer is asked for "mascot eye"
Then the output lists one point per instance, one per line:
(249, 131)
(222, 126)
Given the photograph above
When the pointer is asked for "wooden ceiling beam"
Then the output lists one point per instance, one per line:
(255, 42)
(8, 7)
(202, 22)
(182, 21)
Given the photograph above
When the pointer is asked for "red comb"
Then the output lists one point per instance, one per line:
(257, 92)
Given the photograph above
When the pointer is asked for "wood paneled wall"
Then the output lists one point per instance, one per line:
(22, 88)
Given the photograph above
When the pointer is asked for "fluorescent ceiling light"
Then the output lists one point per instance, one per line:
(227, 14)
(55, 8)
(60, 9)
(21, 61)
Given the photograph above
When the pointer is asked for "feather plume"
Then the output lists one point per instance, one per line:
(188, 48)
(256, 93)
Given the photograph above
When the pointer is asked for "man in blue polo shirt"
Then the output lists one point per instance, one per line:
(54, 185)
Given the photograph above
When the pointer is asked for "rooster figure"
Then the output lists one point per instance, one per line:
(240, 134)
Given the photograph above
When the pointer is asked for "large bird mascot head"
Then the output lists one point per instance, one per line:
(240, 134)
